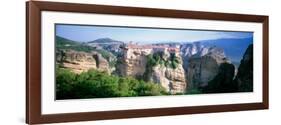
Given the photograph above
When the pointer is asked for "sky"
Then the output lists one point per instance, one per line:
(86, 33)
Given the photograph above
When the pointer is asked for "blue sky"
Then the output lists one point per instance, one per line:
(83, 33)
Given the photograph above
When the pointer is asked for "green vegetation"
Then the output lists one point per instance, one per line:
(62, 43)
(96, 84)
(194, 91)
(158, 59)
(174, 61)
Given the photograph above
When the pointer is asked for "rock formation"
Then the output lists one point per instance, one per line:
(244, 77)
(134, 62)
(197, 49)
(223, 81)
(188, 50)
(204, 67)
(173, 79)
(81, 61)
(101, 63)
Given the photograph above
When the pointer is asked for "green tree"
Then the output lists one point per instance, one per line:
(96, 84)
(64, 83)
(151, 61)
(149, 89)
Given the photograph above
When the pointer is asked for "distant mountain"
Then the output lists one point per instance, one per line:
(60, 41)
(170, 44)
(64, 43)
(234, 48)
(105, 41)
(107, 44)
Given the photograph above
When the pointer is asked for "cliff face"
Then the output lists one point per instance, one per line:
(173, 79)
(101, 63)
(196, 49)
(188, 50)
(81, 61)
(222, 73)
(134, 62)
(204, 67)
(223, 81)
(244, 77)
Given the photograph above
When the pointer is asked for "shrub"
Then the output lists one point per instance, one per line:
(157, 58)
(151, 61)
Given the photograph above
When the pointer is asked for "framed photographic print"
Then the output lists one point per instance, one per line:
(94, 62)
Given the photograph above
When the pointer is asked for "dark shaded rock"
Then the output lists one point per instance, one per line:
(244, 78)
(223, 81)
(101, 63)
(202, 69)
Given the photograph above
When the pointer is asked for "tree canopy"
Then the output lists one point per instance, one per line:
(96, 84)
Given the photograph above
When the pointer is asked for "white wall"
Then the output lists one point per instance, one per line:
(12, 63)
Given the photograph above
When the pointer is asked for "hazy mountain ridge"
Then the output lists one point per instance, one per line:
(107, 44)
(233, 47)
(105, 41)
(60, 41)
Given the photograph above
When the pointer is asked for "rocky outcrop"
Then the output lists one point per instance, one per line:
(172, 79)
(223, 81)
(244, 77)
(101, 63)
(134, 62)
(209, 70)
(204, 67)
(81, 61)
(197, 49)
(188, 50)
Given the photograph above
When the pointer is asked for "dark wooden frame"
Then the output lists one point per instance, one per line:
(33, 61)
